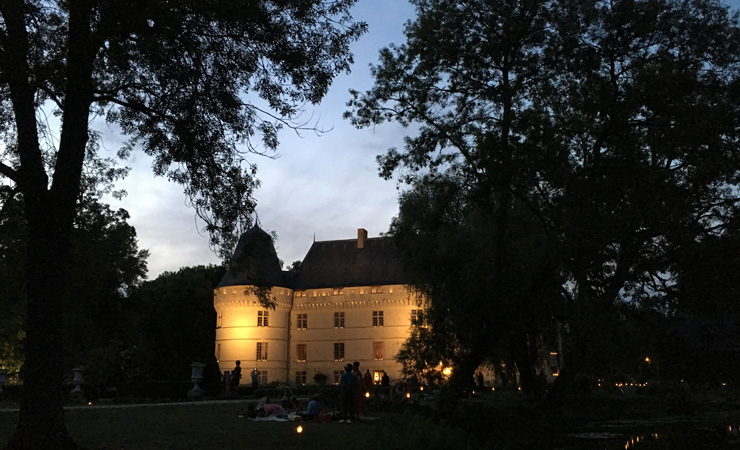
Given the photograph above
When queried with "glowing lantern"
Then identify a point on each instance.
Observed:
(367, 395)
(299, 429)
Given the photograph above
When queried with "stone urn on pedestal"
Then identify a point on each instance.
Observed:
(3, 380)
(78, 380)
(196, 377)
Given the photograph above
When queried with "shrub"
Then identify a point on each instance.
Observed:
(320, 378)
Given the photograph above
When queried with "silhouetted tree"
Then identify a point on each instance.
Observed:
(108, 265)
(588, 137)
(175, 77)
(176, 321)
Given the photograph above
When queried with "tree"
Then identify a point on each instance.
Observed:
(175, 78)
(602, 132)
(468, 77)
(108, 265)
(185, 298)
(648, 113)
(448, 254)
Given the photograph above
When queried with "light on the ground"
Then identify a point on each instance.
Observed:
(367, 395)
(299, 429)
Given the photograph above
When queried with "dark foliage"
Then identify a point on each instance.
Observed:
(563, 154)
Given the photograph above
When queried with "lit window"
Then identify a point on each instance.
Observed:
(300, 377)
(376, 289)
(261, 351)
(302, 321)
(338, 291)
(300, 351)
(262, 317)
(378, 351)
(339, 351)
(338, 320)
(377, 318)
(218, 352)
(378, 376)
(415, 316)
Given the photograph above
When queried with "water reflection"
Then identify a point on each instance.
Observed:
(732, 435)
(638, 440)
(688, 437)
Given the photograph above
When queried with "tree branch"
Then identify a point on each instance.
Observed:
(9, 172)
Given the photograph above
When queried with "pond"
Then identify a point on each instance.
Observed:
(680, 436)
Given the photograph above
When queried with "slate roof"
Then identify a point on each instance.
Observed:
(254, 262)
(342, 264)
(327, 264)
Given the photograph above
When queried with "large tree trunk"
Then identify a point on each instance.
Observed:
(41, 423)
(50, 215)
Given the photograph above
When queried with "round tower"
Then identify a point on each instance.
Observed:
(253, 305)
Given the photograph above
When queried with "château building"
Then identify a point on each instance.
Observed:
(347, 302)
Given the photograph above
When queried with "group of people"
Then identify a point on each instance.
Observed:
(232, 379)
(354, 385)
(287, 408)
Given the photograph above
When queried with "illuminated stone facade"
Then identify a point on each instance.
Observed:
(346, 303)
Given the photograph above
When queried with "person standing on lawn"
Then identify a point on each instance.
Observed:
(348, 382)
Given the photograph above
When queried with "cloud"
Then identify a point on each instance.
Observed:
(325, 186)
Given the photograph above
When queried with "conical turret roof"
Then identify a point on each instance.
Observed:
(254, 262)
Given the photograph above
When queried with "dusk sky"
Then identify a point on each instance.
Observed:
(322, 187)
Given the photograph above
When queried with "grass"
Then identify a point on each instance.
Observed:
(198, 426)
(503, 420)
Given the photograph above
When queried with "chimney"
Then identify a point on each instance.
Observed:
(361, 237)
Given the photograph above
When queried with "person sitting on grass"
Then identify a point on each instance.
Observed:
(313, 409)
(289, 403)
(265, 408)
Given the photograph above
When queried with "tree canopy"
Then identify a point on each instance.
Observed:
(197, 85)
(591, 139)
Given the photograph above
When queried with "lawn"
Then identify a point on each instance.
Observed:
(199, 426)
(495, 421)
